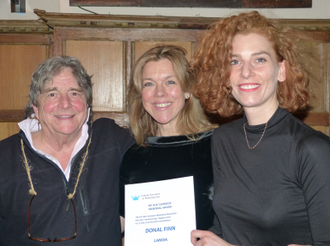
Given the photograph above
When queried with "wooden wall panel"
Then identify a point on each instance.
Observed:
(7, 129)
(198, 3)
(17, 63)
(104, 60)
(109, 45)
(109, 54)
(314, 58)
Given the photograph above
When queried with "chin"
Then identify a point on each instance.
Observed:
(67, 131)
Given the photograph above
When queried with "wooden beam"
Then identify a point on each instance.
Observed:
(12, 115)
(163, 22)
(19, 38)
(24, 26)
(276, 4)
(198, 3)
(105, 2)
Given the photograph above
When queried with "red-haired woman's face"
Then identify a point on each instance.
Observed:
(255, 72)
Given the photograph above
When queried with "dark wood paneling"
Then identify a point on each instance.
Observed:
(193, 3)
(105, 2)
(277, 4)
(198, 3)
(114, 34)
(12, 115)
(26, 39)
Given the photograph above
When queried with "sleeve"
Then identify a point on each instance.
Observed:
(123, 180)
(313, 163)
(216, 228)
(124, 138)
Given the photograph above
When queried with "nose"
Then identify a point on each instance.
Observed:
(160, 91)
(65, 101)
(247, 70)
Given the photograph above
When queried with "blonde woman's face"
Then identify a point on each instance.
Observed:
(162, 96)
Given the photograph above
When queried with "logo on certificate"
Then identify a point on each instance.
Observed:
(135, 198)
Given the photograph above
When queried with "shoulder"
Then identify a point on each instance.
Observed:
(107, 131)
(106, 126)
(10, 157)
(311, 149)
(136, 149)
(9, 142)
(304, 135)
(135, 156)
(104, 123)
(314, 142)
(227, 129)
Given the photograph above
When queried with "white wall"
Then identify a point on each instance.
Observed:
(319, 10)
(48, 5)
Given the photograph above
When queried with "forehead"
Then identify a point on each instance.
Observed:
(65, 78)
(163, 65)
(252, 41)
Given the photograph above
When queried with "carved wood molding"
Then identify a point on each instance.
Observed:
(24, 26)
(198, 3)
(122, 21)
(48, 20)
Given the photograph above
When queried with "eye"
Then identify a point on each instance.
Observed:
(147, 84)
(259, 60)
(234, 62)
(51, 94)
(171, 82)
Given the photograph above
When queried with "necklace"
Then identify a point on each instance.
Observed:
(28, 168)
(247, 140)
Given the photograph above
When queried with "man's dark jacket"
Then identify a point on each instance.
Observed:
(96, 200)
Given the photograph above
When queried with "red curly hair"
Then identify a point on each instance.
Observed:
(214, 53)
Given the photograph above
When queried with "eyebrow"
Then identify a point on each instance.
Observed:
(254, 54)
(56, 89)
(167, 77)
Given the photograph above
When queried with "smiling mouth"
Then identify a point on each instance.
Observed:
(64, 116)
(162, 105)
(247, 87)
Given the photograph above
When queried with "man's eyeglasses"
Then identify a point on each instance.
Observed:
(56, 239)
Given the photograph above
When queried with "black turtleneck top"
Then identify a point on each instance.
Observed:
(277, 193)
(173, 157)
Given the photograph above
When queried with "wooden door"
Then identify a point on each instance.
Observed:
(20, 54)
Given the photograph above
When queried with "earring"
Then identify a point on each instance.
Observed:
(188, 96)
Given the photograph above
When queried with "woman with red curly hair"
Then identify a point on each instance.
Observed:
(271, 171)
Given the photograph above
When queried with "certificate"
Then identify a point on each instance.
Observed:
(160, 212)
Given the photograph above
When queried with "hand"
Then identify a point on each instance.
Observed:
(122, 224)
(206, 238)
